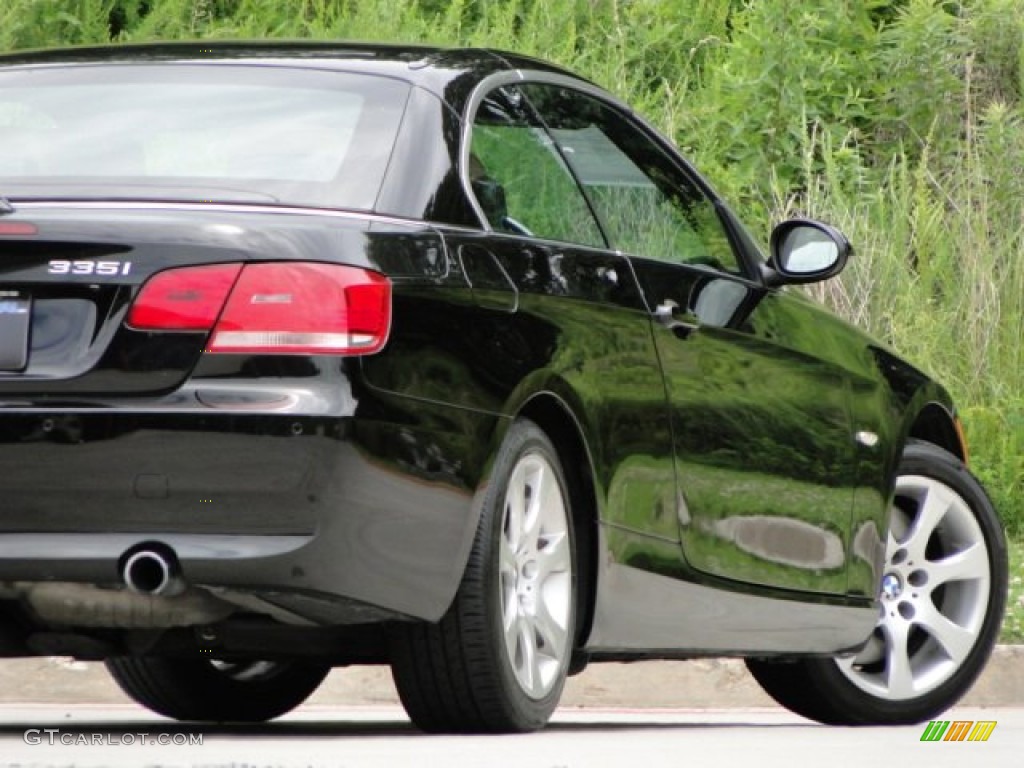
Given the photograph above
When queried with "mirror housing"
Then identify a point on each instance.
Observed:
(806, 251)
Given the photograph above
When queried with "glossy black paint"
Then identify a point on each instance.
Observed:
(718, 439)
(119, 360)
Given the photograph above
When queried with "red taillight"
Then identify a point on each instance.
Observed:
(17, 228)
(281, 308)
(304, 308)
(183, 299)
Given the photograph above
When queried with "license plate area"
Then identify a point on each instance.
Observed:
(15, 321)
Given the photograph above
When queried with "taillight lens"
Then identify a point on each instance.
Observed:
(279, 308)
(183, 299)
(303, 308)
(17, 228)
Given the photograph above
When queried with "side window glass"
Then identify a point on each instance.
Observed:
(647, 206)
(520, 180)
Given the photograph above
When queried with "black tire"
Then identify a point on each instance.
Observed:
(461, 675)
(873, 687)
(206, 690)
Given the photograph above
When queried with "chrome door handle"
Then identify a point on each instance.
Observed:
(682, 324)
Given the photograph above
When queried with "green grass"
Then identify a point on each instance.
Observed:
(1013, 624)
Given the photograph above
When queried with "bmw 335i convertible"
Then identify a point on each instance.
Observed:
(315, 355)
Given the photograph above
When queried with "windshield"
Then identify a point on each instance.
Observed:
(197, 133)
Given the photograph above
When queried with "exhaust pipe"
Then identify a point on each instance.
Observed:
(153, 571)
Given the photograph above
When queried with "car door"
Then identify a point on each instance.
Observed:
(760, 421)
(557, 310)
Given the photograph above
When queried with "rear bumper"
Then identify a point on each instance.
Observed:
(332, 519)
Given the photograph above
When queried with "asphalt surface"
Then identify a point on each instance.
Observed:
(83, 737)
(56, 712)
(706, 683)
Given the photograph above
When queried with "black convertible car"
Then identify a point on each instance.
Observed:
(327, 354)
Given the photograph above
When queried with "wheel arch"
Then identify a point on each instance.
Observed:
(935, 423)
(553, 415)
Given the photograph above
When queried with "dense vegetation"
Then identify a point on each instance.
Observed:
(901, 121)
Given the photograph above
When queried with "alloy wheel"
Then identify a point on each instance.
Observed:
(535, 575)
(934, 594)
(246, 670)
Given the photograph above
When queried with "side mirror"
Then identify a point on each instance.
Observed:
(806, 251)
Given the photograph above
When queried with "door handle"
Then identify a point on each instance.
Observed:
(682, 324)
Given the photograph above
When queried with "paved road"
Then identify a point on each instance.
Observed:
(380, 736)
(700, 684)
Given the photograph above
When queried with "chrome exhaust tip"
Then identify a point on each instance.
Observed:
(150, 571)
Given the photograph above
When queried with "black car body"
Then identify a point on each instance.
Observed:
(201, 456)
